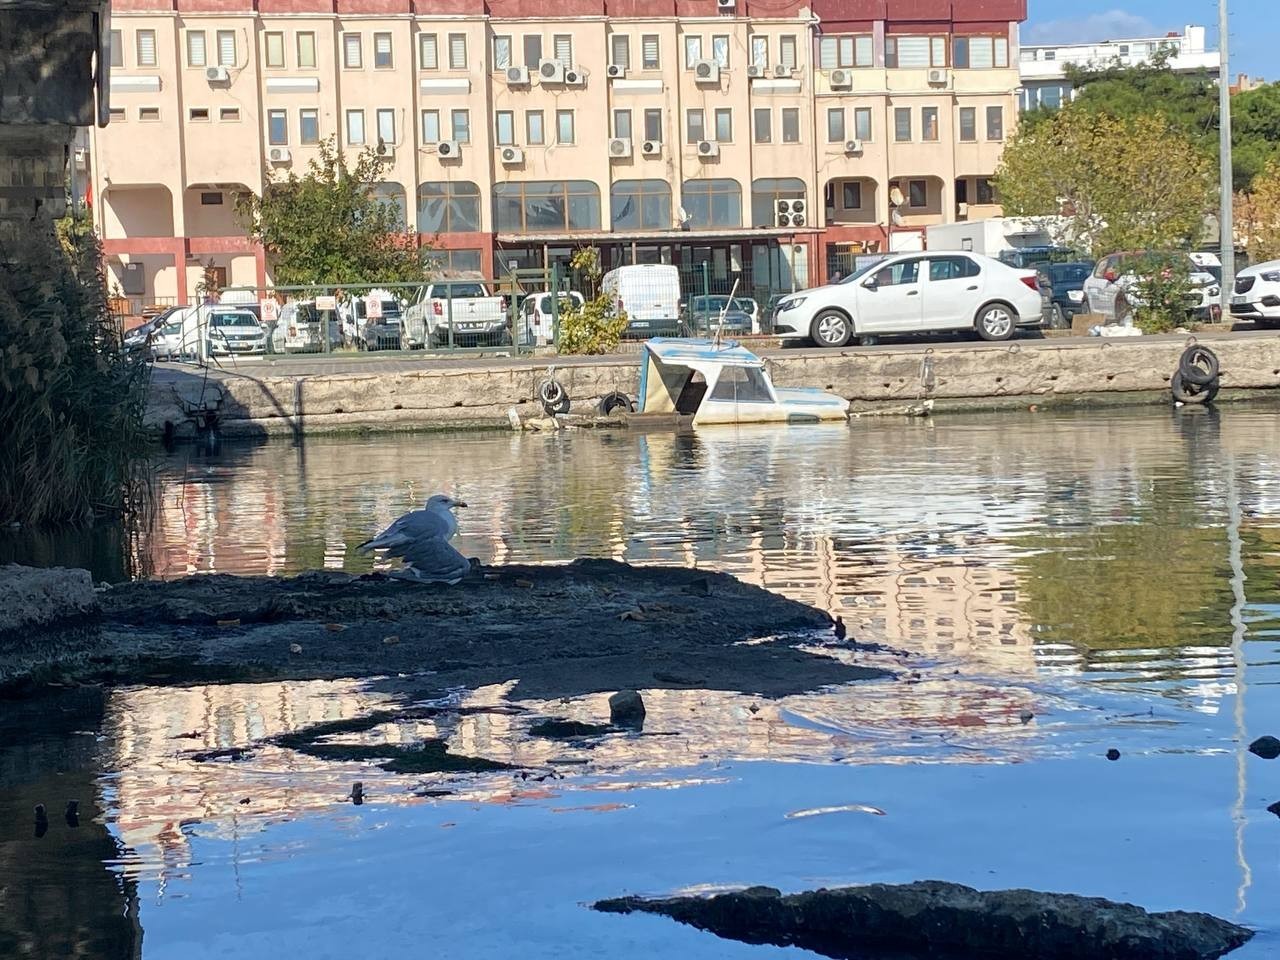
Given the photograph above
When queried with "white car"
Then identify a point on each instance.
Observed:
(1109, 290)
(1256, 295)
(914, 293)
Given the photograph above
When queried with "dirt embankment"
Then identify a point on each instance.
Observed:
(589, 626)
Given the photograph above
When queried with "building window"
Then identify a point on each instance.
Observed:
(790, 124)
(620, 50)
(915, 52)
(622, 124)
(986, 191)
(355, 127)
(448, 207)
(274, 49)
(197, 56)
(787, 51)
(386, 127)
(117, 115)
(902, 124)
(918, 193)
(532, 43)
(862, 123)
(148, 113)
(461, 121)
(352, 51)
(457, 51)
(929, 123)
(227, 54)
(995, 123)
(459, 261)
(146, 48)
(228, 113)
(210, 198)
(765, 194)
(762, 121)
(564, 126)
(712, 203)
(760, 52)
(720, 51)
(692, 50)
(382, 51)
(1124, 49)
(430, 126)
(428, 52)
(968, 124)
(306, 50)
(980, 53)
(562, 43)
(851, 195)
(836, 52)
(198, 114)
(835, 125)
(695, 126)
(309, 126)
(504, 128)
(277, 128)
(117, 49)
(653, 124)
(724, 125)
(649, 52)
(640, 205)
(501, 53)
(534, 128)
(532, 206)
(1051, 54)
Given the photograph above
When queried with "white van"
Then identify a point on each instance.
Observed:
(649, 293)
(537, 322)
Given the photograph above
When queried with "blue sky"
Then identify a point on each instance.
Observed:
(1255, 25)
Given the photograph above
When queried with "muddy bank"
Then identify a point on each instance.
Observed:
(947, 921)
(586, 627)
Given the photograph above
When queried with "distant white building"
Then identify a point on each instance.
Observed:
(1044, 74)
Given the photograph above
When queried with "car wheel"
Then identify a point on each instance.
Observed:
(831, 328)
(995, 322)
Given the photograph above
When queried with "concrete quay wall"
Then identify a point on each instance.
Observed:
(292, 398)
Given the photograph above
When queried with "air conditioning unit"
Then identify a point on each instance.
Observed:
(706, 71)
(619, 148)
(783, 208)
(385, 151)
(962, 209)
(791, 213)
(797, 220)
(853, 146)
(937, 77)
(217, 75)
(517, 76)
(575, 78)
(708, 148)
(756, 71)
(725, 4)
(651, 148)
(841, 79)
(279, 155)
(551, 71)
(448, 149)
(511, 155)
(615, 71)
(783, 72)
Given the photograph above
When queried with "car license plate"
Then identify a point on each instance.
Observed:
(1240, 298)
(641, 323)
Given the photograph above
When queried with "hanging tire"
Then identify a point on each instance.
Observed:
(995, 322)
(554, 397)
(831, 328)
(616, 401)
(1184, 392)
(1198, 366)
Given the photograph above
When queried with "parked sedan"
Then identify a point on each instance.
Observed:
(235, 332)
(1112, 290)
(914, 293)
(1062, 286)
(1256, 295)
(704, 316)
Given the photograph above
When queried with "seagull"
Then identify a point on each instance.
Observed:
(838, 628)
(421, 539)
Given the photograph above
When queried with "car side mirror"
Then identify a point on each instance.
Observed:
(1110, 276)
(871, 283)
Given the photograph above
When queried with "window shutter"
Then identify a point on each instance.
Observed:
(195, 49)
(146, 48)
(651, 49)
(226, 48)
(457, 51)
(564, 50)
(621, 54)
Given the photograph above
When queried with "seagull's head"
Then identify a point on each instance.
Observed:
(443, 501)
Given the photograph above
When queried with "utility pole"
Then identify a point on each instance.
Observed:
(1226, 218)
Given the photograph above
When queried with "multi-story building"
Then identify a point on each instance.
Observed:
(659, 130)
(1044, 68)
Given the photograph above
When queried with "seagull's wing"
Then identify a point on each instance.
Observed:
(417, 525)
(433, 559)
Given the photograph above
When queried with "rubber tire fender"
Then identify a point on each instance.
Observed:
(1198, 366)
(1184, 392)
(612, 401)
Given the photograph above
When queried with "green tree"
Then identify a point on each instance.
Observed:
(595, 327)
(1257, 215)
(1113, 183)
(329, 226)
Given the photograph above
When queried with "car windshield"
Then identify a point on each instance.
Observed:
(862, 271)
(1066, 274)
(234, 320)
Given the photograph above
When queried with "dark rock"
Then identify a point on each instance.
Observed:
(1113, 754)
(568, 729)
(1274, 808)
(1268, 748)
(945, 920)
(626, 709)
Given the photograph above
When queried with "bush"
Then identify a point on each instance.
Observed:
(592, 328)
(1161, 292)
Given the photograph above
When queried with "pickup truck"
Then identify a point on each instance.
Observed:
(477, 317)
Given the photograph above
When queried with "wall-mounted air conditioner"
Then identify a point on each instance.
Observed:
(217, 75)
(708, 149)
(511, 156)
(615, 71)
(517, 76)
(651, 148)
(783, 72)
(448, 149)
(279, 155)
(841, 79)
(619, 148)
(706, 71)
(551, 71)
(853, 146)
(756, 71)
(575, 78)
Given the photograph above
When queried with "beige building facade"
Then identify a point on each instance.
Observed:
(681, 131)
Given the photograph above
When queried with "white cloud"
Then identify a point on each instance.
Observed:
(1110, 25)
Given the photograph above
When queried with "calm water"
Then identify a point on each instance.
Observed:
(1113, 574)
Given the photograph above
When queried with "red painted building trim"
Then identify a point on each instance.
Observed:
(538, 9)
(295, 6)
(143, 6)
(993, 28)
(197, 246)
(385, 7)
(146, 246)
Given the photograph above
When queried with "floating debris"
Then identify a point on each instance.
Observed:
(843, 808)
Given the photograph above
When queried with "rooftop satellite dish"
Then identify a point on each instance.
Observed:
(895, 197)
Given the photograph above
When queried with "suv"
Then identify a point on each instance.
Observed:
(1063, 287)
(704, 317)
(1110, 290)
(1256, 295)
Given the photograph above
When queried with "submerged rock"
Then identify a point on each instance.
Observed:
(934, 919)
(626, 709)
(1268, 748)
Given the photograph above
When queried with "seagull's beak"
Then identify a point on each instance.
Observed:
(459, 503)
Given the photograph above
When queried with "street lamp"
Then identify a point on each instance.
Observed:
(1226, 219)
